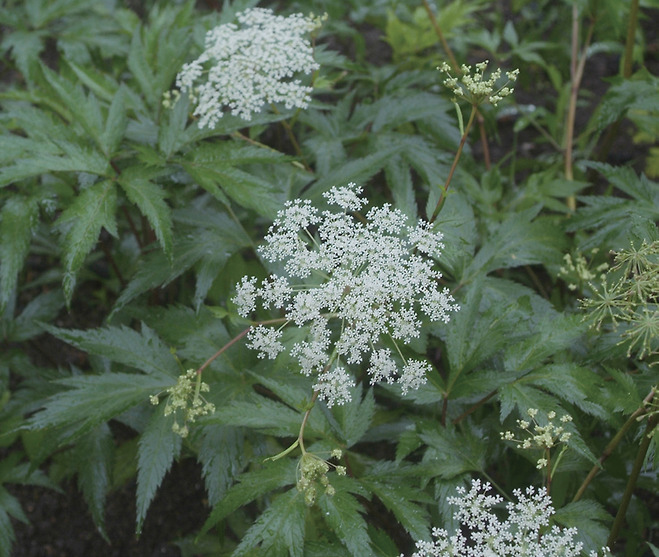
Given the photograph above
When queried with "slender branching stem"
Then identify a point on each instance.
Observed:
(608, 450)
(458, 154)
(300, 437)
(633, 478)
(612, 132)
(474, 407)
(577, 66)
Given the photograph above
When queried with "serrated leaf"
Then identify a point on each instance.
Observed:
(518, 241)
(219, 467)
(82, 221)
(279, 530)
(157, 448)
(253, 484)
(588, 517)
(355, 417)
(397, 497)
(343, 515)
(139, 350)
(94, 456)
(259, 413)
(18, 218)
(475, 334)
(94, 399)
(216, 165)
(150, 199)
(452, 453)
(115, 123)
(215, 243)
(7, 535)
(357, 170)
(554, 334)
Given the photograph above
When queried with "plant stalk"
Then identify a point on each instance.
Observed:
(458, 154)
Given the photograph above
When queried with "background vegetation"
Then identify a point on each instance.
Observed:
(124, 229)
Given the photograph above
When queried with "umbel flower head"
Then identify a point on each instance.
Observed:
(524, 533)
(351, 285)
(244, 67)
(473, 86)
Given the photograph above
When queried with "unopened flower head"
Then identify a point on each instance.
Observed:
(185, 399)
(524, 533)
(243, 67)
(540, 436)
(473, 86)
(351, 285)
(312, 474)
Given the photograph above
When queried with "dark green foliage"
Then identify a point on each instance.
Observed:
(124, 229)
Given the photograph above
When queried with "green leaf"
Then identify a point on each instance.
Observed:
(357, 170)
(556, 333)
(259, 413)
(355, 417)
(150, 199)
(589, 519)
(518, 241)
(82, 222)
(94, 456)
(138, 350)
(451, 454)
(279, 530)
(215, 165)
(253, 484)
(7, 536)
(157, 448)
(219, 467)
(397, 496)
(215, 239)
(94, 399)
(115, 124)
(343, 514)
(18, 218)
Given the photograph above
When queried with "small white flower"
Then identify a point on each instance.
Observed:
(251, 65)
(265, 340)
(352, 285)
(334, 386)
(482, 534)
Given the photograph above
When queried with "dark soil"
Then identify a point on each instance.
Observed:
(61, 525)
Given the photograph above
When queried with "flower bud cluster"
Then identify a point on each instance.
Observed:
(350, 284)
(542, 437)
(481, 533)
(576, 271)
(245, 67)
(185, 399)
(473, 86)
(313, 475)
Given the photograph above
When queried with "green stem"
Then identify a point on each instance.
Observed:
(608, 450)
(300, 437)
(458, 154)
(633, 478)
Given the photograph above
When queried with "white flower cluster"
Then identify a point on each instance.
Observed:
(250, 66)
(474, 87)
(354, 283)
(525, 533)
